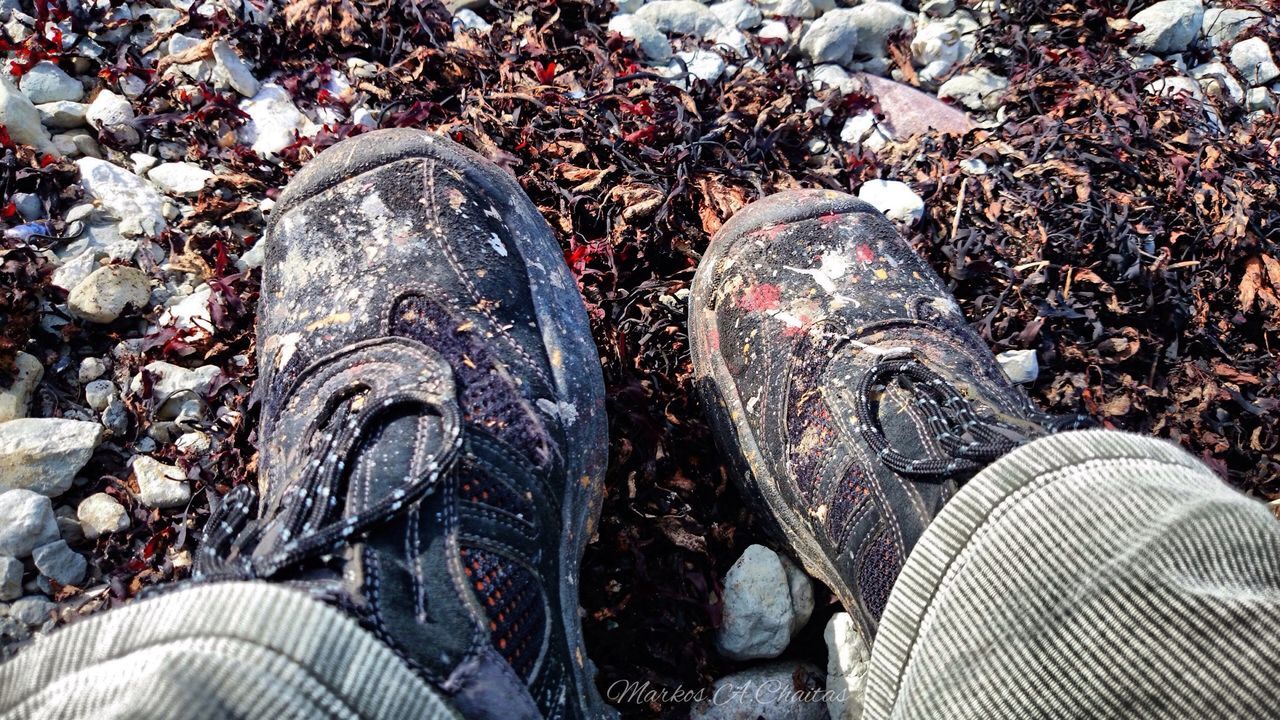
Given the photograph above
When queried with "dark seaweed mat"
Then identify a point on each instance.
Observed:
(1121, 236)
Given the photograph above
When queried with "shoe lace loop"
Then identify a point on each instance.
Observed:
(971, 442)
(309, 520)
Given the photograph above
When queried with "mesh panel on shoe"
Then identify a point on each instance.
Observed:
(513, 601)
(487, 399)
(852, 493)
(879, 569)
(810, 427)
(482, 486)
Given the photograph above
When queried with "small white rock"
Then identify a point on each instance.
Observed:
(684, 17)
(58, 562)
(1224, 25)
(10, 578)
(979, 89)
(801, 589)
(1216, 81)
(108, 292)
(21, 118)
(26, 522)
(44, 454)
(160, 485)
(1168, 26)
(15, 399)
(63, 114)
(1021, 366)
(113, 113)
(876, 21)
(100, 514)
(232, 71)
(1254, 61)
(831, 38)
(788, 8)
(98, 394)
(865, 130)
(180, 178)
(467, 19)
(128, 197)
(758, 611)
(173, 385)
(91, 368)
(739, 14)
(895, 199)
(973, 166)
(45, 82)
(701, 64)
(648, 38)
(273, 121)
(848, 662)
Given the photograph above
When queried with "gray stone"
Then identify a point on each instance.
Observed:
(29, 206)
(648, 38)
(467, 19)
(172, 385)
(108, 292)
(848, 661)
(801, 589)
(15, 399)
(895, 199)
(26, 522)
(788, 8)
(785, 690)
(91, 368)
(1168, 26)
(98, 393)
(180, 178)
(58, 562)
(937, 48)
(100, 514)
(684, 17)
(1175, 86)
(44, 454)
(1021, 366)
(160, 485)
(21, 118)
(273, 121)
(1261, 99)
(1222, 25)
(876, 21)
(831, 38)
(63, 114)
(758, 612)
(45, 82)
(10, 578)
(1254, 61)
(113, 113)
(979, 89)
(701, 64)
(32, 610)
(68, 524)
(1216, 81)
(739, 14)
(232, 71)
(938, 8)
(76, 143)
(138, 206)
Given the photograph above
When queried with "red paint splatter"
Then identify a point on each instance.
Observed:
(830, 217)
(864, 253)
(760, 298)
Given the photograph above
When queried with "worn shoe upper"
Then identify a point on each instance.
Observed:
(842, 380)
(432, 437)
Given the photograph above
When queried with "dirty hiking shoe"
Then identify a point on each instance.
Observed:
(845, 386)
(433, 434)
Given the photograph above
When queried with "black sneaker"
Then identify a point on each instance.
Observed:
(433, 437)
(844, 384)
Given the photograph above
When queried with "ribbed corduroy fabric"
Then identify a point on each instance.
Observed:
(1086, 575)
(242, 650)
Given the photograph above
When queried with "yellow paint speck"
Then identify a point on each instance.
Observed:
(333, 319)
(881, 274)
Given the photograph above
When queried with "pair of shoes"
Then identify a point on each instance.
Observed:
(433, 438)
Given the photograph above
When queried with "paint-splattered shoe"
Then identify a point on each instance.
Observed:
(845, 386)
(433, 432)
